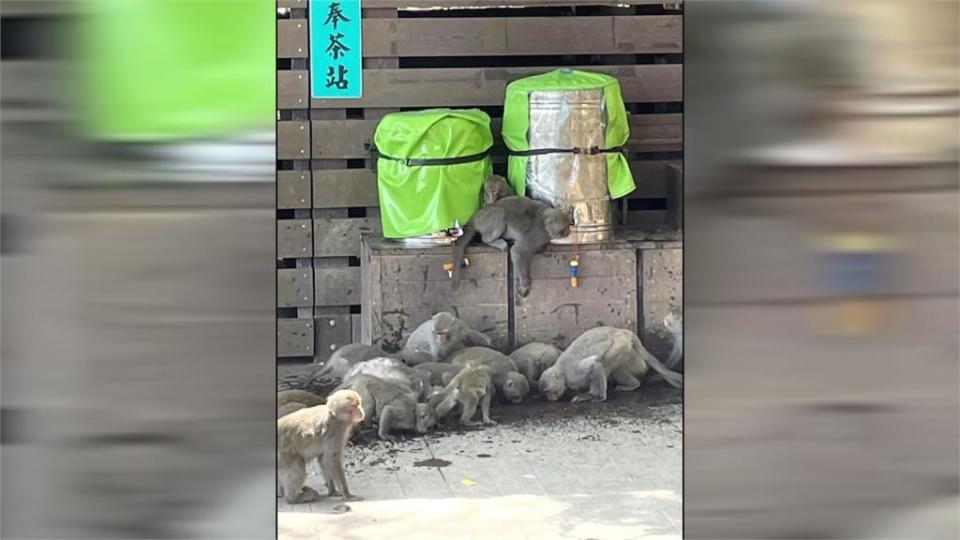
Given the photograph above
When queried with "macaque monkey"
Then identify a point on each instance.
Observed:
(440, 373)
(287, 408)
(506, 379)
(394, 371)
(470, 387)
(496, 187)
(316, 433)
(442, 335)
(674, 324)
(294, 400)
(533, 358)
(597, 354)
(519, 224)
(391, 405)
(345, 358)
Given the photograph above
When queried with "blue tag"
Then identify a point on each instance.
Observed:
(336, 61)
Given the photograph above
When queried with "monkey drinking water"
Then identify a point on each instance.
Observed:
(506, 379)
(597, 354)
(316, 433)
(468, 388)
(516, 223)
(391, 405)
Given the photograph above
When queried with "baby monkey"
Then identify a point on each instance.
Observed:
(519, 224)
(470, 387)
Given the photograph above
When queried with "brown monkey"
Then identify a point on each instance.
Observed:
(516, 223)
(394, 371)
(391, 405)
(442, 335)
(533, 358)
(470, 387)
(496, 187)
(316, 433)
(345, 358)
(597, 354)
(287, 408)
(299, 396)
(674, 324)
(440, 373)
(506, 379)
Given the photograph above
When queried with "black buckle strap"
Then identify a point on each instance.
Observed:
(593, 150)
(425, 162)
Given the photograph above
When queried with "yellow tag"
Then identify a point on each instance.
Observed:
(468, 482)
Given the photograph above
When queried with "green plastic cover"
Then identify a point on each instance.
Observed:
(422, 199)
(161, 70)
(516, 122)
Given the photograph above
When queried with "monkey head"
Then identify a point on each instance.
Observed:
(673, 323)
(426, 417)
(346, 406)
(516, 387)
(557, 222)
(495, 187)
(552, 384)
(442, 324)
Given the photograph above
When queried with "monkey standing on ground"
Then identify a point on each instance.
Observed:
(316, 433)
(597, 354)
(506, 379)
(674, 324)
(496, 187)
(526, 224)
(391, 405)
(442, 335)
(533, 358)
(440, 373)
(470, 387)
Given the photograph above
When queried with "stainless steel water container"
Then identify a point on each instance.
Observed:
(574, 182)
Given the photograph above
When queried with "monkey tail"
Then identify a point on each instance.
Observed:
(673, 378)
(459, 250)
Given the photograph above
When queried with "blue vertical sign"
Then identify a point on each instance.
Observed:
(336, 62)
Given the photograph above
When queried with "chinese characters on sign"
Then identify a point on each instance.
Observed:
(336, 66)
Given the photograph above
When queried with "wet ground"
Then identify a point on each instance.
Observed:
(546, 470)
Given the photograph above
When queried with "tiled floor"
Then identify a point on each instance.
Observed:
(546, 471)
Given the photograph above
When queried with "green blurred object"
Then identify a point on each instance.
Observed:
(417, 198)
(157, 70)
(516, 122)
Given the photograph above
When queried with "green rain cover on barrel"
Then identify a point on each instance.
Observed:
(431, 168)
(516, 123)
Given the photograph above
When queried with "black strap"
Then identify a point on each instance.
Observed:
(593, 150)
(420, 162)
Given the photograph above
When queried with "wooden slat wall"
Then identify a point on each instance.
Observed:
(327, 197)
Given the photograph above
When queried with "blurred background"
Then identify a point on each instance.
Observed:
(137, 276)
(137, 384)
(821, 269)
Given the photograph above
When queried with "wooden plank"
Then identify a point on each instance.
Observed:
(337, 286)
(341, 237)
(554, 312)
(661, 286)
(293, 189)
(486, 86)
(404, 287)
(294, 337)
(650, 178)
(292, 89)
(468, 4)
(293, 238)
(293, 140)
(332, 332)
(345, 139)
(344, 188)
(522, 36)
(292, 38)
(294, 288)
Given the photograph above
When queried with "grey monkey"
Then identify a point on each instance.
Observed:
(597, 354)
(516, 223)
(391, 370)
(506, 379)
(470, 387)
(674, 324)
(320, 433)
(533, 358)
(440, 373)
(299, 396)
(496, 187)
(442, 335)
(287, 408)
(391, 405)
(345, 358)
